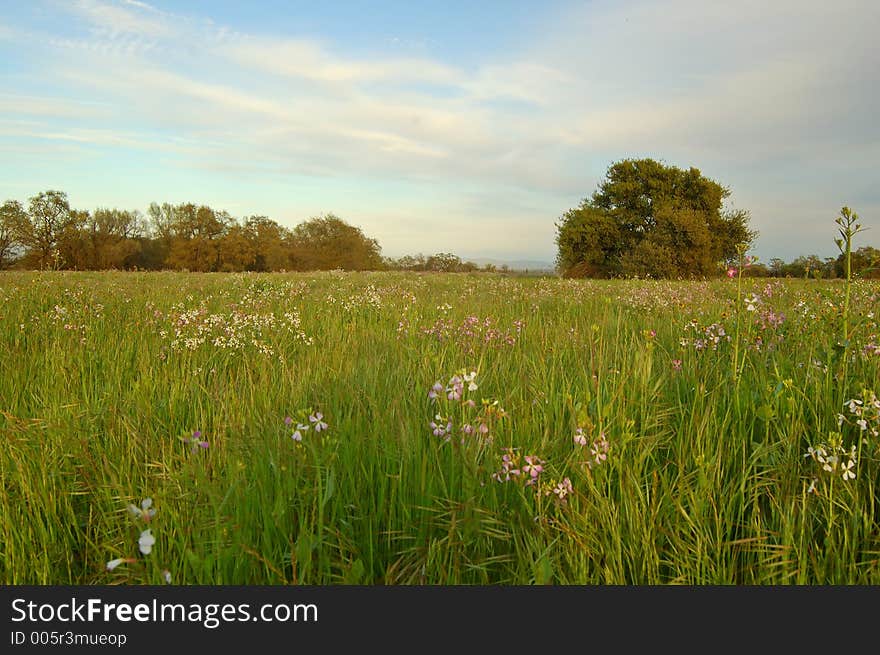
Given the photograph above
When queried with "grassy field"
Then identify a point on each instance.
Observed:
(480, 429)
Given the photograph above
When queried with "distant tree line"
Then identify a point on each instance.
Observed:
(645, 220)
(865, 264)
(442, 262)
(47, 233)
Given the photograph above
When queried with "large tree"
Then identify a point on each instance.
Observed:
(327, 242)
(47, 218)
(647, 218)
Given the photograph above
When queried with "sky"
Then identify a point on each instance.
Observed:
(444, 126)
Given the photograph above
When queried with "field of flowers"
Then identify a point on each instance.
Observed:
(402, 428)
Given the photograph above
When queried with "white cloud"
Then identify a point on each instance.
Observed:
(749, 92)
(140, 5)
(113, 18)
(29, 105)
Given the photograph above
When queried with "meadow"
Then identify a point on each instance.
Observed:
(403, 428)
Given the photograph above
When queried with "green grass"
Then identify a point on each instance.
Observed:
(705, 482)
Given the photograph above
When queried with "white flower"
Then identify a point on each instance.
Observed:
(297, 434)
(848, 473)
(145, 511)
(166, 575)
(113, 563)
(146, 541)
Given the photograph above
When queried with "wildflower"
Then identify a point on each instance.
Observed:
(317, 419)
(562, 489)
(833, 462)
(166, 575)
(113, 563)
(297, 433)
(146, 541)
(599, 449)
(145, 511)
(579, 438)
(288, 421)
(469, 378)
(455, 388)
(197, 441)
(533, 468)
(509, 467)
(435, 391)
(731, 272)
(676, 364)
(439, 429)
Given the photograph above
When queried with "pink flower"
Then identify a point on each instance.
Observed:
(435, 391)
(318, 420)
(731, 272)
(533, 467)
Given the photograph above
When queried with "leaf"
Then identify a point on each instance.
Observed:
(329, 489)
(766, 412)
(355, 574)
(305, 544)
(543, 571)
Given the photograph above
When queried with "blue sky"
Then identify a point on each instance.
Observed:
(454, 126)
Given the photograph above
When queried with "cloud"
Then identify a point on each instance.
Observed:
(771, 99)
(309, 60)
(114, 19)
(48, 106)
(140, 5)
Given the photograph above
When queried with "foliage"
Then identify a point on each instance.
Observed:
(327, 242)
(648, 219)
(48, 217)
(12, 219)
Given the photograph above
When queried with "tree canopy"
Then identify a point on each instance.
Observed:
(48, 234)
(327, 242)
(649, 219)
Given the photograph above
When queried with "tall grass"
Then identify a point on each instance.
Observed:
(708, 477)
